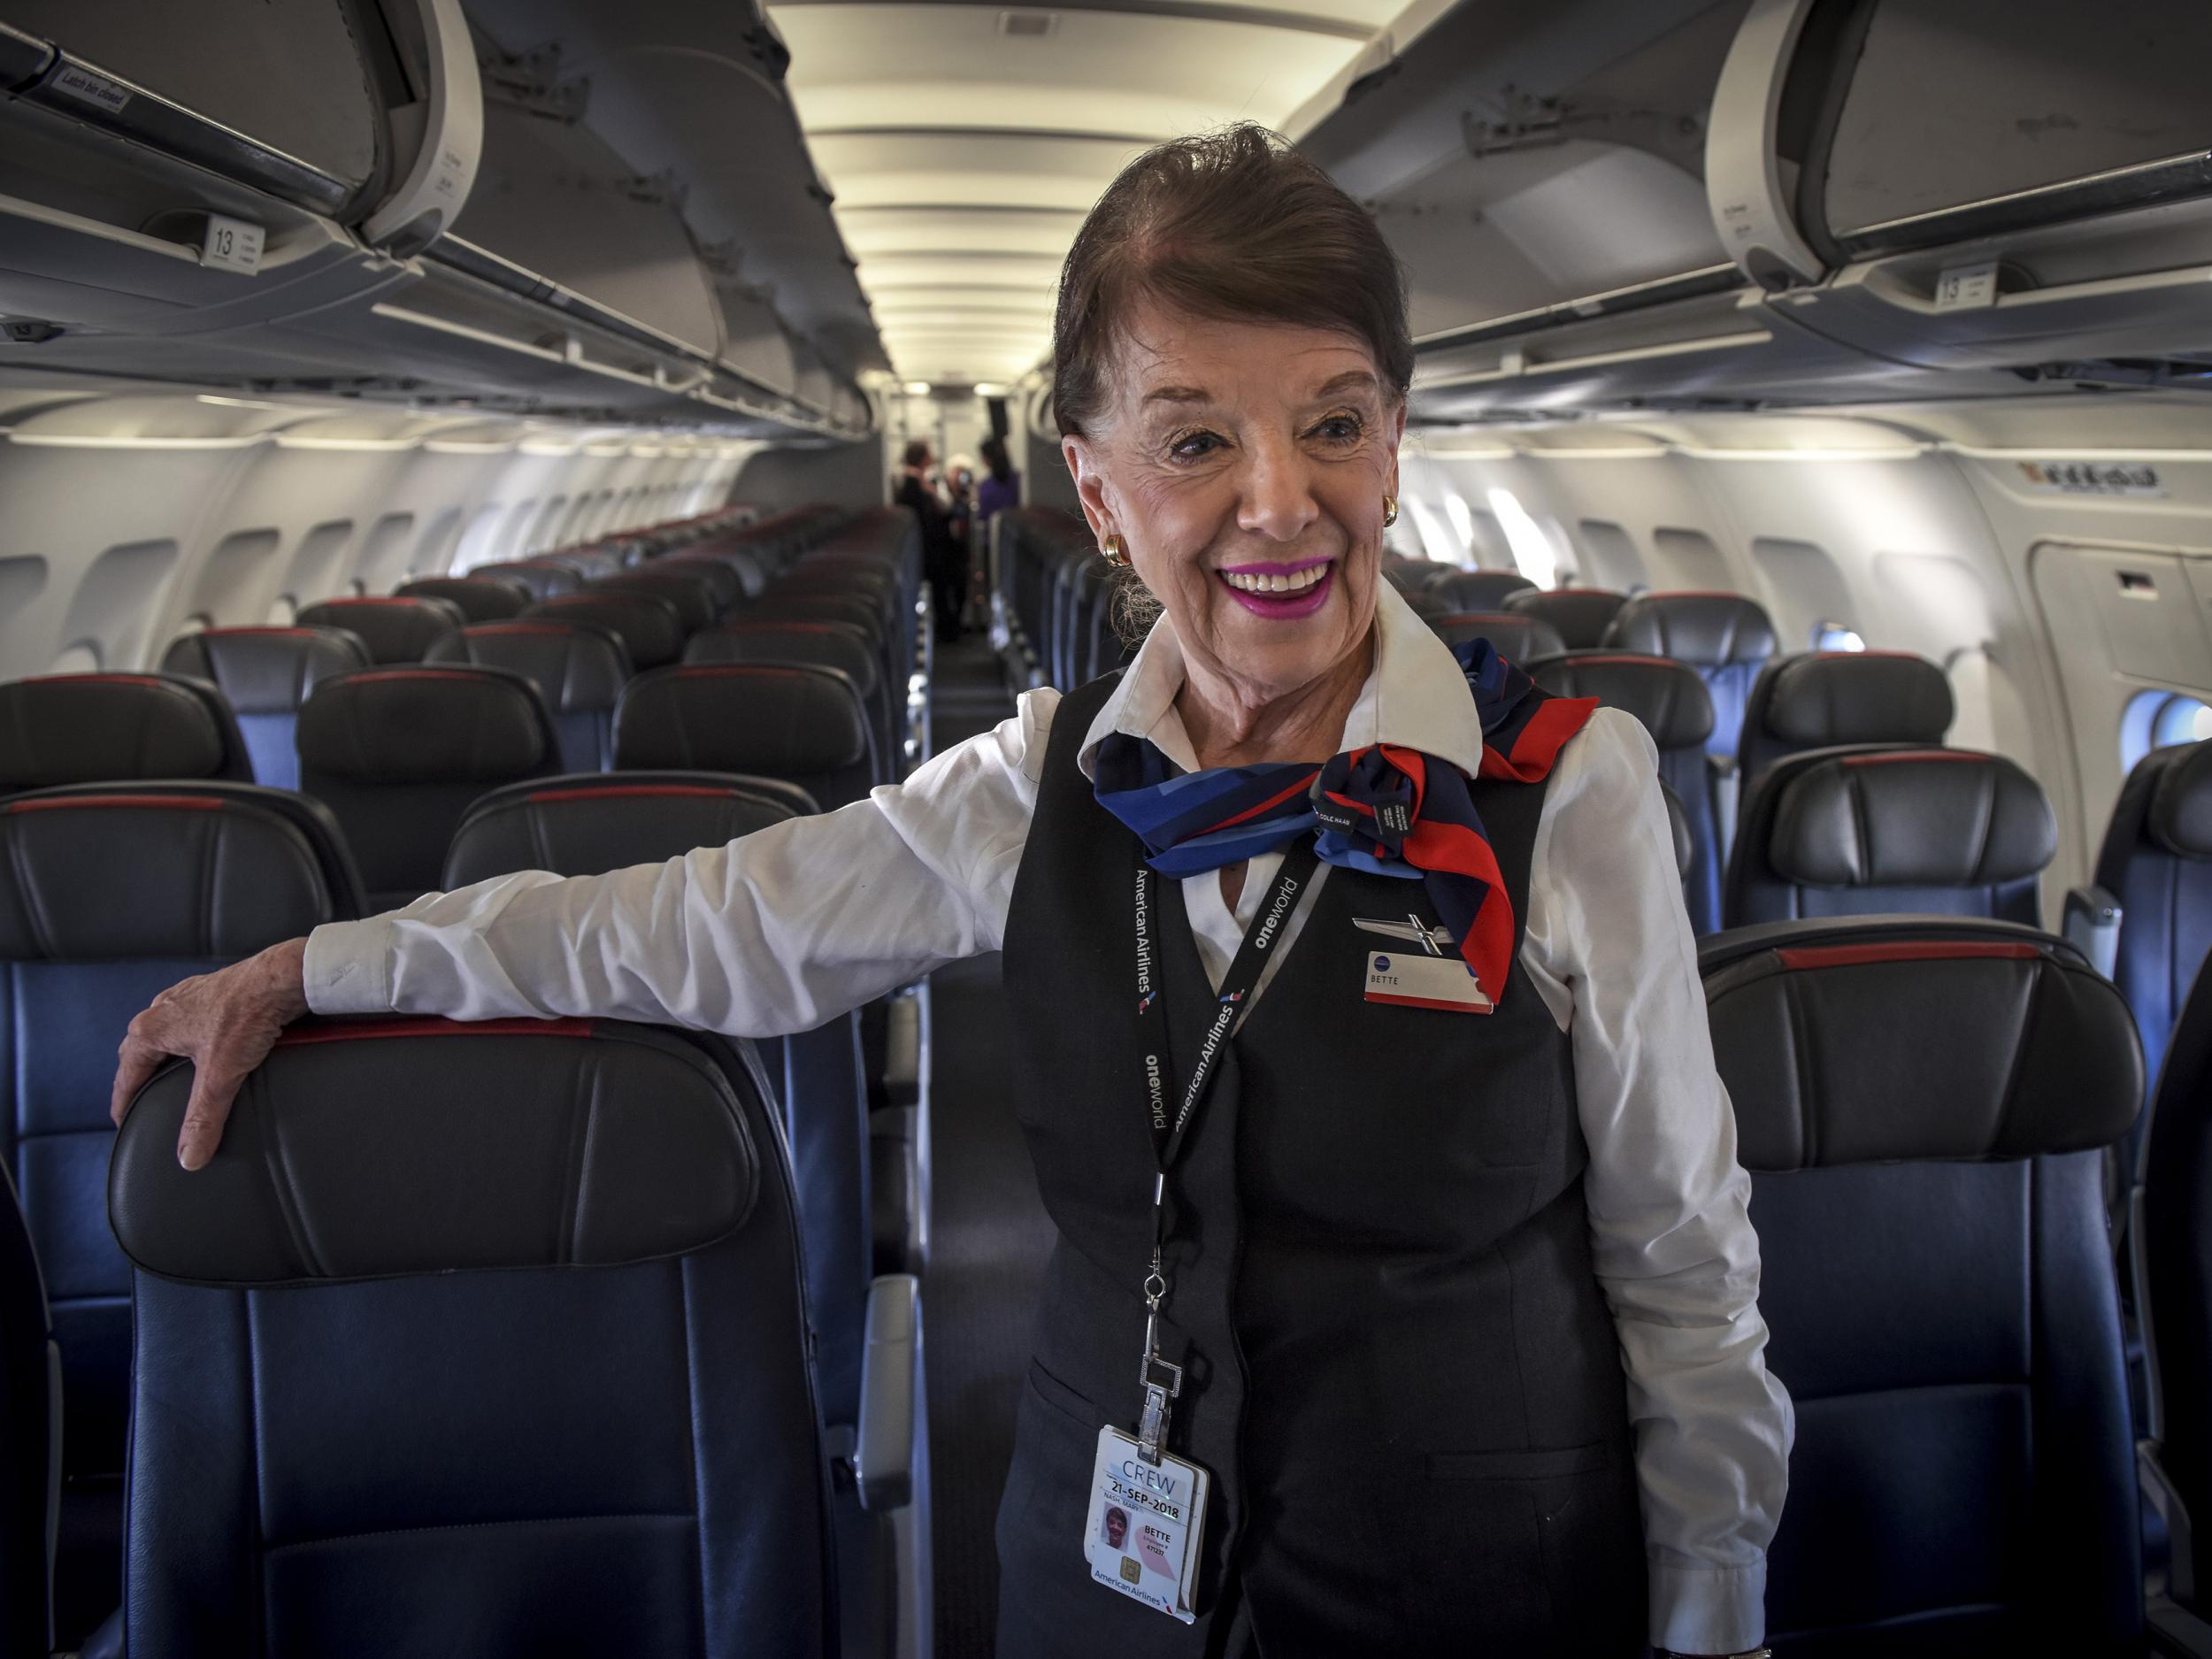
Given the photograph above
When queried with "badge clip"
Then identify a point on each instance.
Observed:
(1163, 1381)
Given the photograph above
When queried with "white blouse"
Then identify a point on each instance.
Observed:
(794, 925)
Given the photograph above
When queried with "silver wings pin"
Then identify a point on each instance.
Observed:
(1413, 930)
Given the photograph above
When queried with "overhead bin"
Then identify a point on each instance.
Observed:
(284, 199)
(1908, 197)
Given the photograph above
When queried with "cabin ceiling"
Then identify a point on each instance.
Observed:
(965, 141)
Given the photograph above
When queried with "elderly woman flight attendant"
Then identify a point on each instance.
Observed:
(1405, 1300)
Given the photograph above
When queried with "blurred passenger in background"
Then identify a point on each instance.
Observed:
(1002, 486)
(944, 555)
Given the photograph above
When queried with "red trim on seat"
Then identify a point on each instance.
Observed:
(561, 630)
(1799, 958)
(359, 1031)
(374, 599)
(1913, 657)
(189, 803)
(224, 633)
(1640, 659)
(104, 680)
(1487, 616)
(1914, 755)
(693, 670)
(1585, 592)
(469, 675)
(1694, 593)
(624, 790)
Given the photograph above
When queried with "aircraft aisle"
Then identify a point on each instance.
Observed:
(990, 1234)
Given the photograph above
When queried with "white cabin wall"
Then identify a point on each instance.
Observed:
(133, 520)
(1915, 527)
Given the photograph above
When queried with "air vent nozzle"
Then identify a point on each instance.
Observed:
(1028, 25)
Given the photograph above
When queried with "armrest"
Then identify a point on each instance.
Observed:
(884, 1454)
(1727, 785)
(2092, 926)
(2177, 1630)
(105, 1642)
(2159, 1492)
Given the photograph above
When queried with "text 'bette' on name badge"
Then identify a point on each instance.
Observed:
(1417, 982)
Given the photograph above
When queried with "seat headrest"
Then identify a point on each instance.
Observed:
(208, 870)
(1667, 696)
(573, 666)
(839, 645)
(586, 824)
(372, 1149)
(650, 626)
(1480, 590)
(394, 629)
(828, 604)
(481, 598)
(1710, 630)
(265, 670)
(781, 720)
(425, 726)
(2181, 806)
(1831, 697)
(1908, 817)
(1910, 1037)
(1517, 638)
(695, 600)
(724, 578)
(537, 577)
(1580, 614)
(95, 729)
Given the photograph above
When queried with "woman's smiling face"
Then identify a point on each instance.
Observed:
(1244, 467)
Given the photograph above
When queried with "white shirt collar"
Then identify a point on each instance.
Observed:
(1416, 696)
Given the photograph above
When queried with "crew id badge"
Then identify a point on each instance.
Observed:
(1417, 982)
(1145, 1524)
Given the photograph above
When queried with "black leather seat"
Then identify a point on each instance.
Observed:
(806, 725)
(1675, 708)
(107, 897)
(1922, 1105)
(588, 823)
(2156, 861)
(1726, 637)
(541, 579)
(1678, 833)
(1870, 830)
(399, 755)
(731, 581)
(1518, 638)
(481, 598)
(30, 1440)
(579, 671)
(2170, 1239)
(107, 728)
(843, 646)
(693, 594)
(394, 629)
(1480, 590)
(1824, 699)
(571, 1411)
(1581, 614)
(648, 625)
(264, 674)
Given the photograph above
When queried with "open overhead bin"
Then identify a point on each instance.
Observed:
(320, 196)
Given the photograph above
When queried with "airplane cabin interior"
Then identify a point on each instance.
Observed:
(446, 439)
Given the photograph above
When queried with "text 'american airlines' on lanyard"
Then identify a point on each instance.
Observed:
(1163, 1380)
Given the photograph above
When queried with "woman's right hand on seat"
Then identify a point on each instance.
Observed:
(225, 1023)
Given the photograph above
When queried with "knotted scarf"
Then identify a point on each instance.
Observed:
(1384, 809)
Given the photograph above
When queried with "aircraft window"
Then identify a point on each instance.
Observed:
(1611, 556)
(1688, 559)
(2160, 719)
(1436, 541)
(1807, 591)
(1534, 555)
(108, 614)
(433, 553)
(1833, 636)
(321, 556)
(383, 563)
(477, 543)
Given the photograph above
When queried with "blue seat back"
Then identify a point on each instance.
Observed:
(2156, 861)
(107, 898)
(1726, 637)
(1922, 1107)
(1670, 700)
(579, 671)
(503, 1353)
(264, 674)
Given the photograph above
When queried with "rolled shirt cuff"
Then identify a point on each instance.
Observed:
(348, 967)
(1709, 1609)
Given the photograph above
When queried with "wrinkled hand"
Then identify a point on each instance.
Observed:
(225, 1023)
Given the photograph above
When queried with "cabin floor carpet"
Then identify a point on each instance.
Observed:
(990, 1234)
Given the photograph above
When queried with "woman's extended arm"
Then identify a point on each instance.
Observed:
(1674, 1248)
(774, 933)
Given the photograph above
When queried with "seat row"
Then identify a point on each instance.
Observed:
(563, 1260)
(111, 892)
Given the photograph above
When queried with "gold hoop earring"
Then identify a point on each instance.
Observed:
(1390, 511)
(1116, 553)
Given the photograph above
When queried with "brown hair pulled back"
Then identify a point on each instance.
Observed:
(1234, 225)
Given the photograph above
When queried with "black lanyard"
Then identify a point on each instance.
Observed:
(1170, 1121)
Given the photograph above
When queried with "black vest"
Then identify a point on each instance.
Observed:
(1400, 1371)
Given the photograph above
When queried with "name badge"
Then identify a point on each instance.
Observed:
(1419, 982)
(1146, 1520)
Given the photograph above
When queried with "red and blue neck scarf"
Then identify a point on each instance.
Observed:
(1384, 810)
